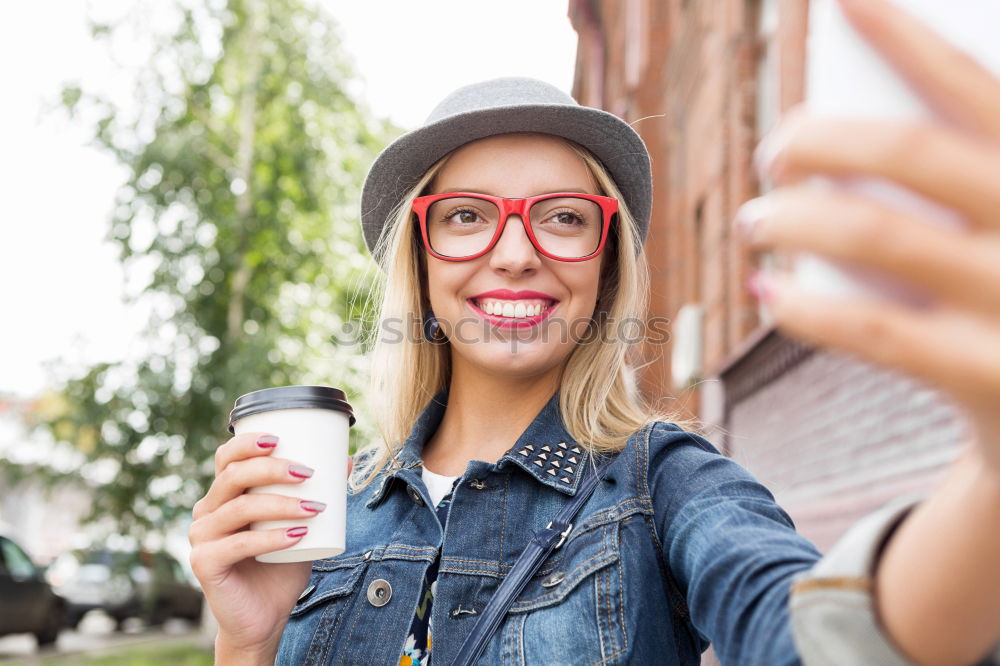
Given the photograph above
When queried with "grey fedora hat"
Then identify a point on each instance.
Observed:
(504, 106)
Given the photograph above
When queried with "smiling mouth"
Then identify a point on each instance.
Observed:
(526, 308)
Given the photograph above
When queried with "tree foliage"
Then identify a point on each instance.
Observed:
(239, 217)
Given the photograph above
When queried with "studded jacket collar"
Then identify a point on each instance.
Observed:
(545, 450)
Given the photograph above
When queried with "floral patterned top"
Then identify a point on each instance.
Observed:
(417, 649)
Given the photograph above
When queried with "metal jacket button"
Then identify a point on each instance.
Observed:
(379, 592)
(414, 495)
(553, 579)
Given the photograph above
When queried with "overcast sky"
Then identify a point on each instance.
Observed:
(60, 284)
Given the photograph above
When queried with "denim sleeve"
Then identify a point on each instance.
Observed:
(756, 589)
(731, 549)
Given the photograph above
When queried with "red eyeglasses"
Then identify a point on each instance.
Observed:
(568, 226)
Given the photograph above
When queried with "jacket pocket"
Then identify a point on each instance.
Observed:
(571, 611)
(311, 632)
(330, 579)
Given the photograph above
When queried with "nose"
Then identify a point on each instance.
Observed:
(513, 252)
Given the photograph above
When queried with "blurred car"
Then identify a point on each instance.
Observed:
(151, 586)
(27, 602)
(102, 579)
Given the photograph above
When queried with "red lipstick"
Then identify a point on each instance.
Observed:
(509, 295)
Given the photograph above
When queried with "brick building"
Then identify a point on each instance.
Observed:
(702, 81)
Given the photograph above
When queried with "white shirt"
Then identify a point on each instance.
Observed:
(437, 485)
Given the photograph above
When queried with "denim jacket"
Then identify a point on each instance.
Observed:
(678, 547)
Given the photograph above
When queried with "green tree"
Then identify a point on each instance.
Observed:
(240, 215)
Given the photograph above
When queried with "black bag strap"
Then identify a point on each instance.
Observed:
(547, 539)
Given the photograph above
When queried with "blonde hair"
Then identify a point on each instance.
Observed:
(598, 397)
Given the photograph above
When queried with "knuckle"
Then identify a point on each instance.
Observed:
(221, 455)
(230, 452)
(254, 472)
(856, 225)
(869, 230)
(804, 134)
(230, 474)
(196, 560)
(879, 333)
(243, 543)
(902, 139)
(242, 504)
(194, 533)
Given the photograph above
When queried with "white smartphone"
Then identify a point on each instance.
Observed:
(846, 77)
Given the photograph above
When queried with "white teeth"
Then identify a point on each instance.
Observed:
(514, 309)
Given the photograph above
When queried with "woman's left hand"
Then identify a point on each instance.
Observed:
(955, 343)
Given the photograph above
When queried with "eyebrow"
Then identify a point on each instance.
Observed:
(472, 190)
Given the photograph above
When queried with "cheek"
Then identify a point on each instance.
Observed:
(586, 285)
(443, 285)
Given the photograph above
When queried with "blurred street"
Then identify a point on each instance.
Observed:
(96, 636)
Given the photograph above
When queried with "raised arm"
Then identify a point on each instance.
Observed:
(937, 586)
(762, 594)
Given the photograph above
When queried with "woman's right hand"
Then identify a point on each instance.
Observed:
(250, 600)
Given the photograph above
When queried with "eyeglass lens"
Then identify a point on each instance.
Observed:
(567, 227)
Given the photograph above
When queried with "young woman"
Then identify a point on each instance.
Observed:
(512, 223)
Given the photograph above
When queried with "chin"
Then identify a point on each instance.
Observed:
(516, 359)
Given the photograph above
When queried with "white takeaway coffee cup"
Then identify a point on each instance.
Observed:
(312, 425)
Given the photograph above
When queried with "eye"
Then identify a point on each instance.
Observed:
(464, 216)
(567, 218)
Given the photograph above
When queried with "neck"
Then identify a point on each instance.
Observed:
(485, 416)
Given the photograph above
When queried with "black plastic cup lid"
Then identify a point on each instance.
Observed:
(290, 397)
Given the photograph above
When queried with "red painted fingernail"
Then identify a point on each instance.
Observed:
(759, 284)
(300, 471)
(296, 532)
(315, 507)
(267, 441)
